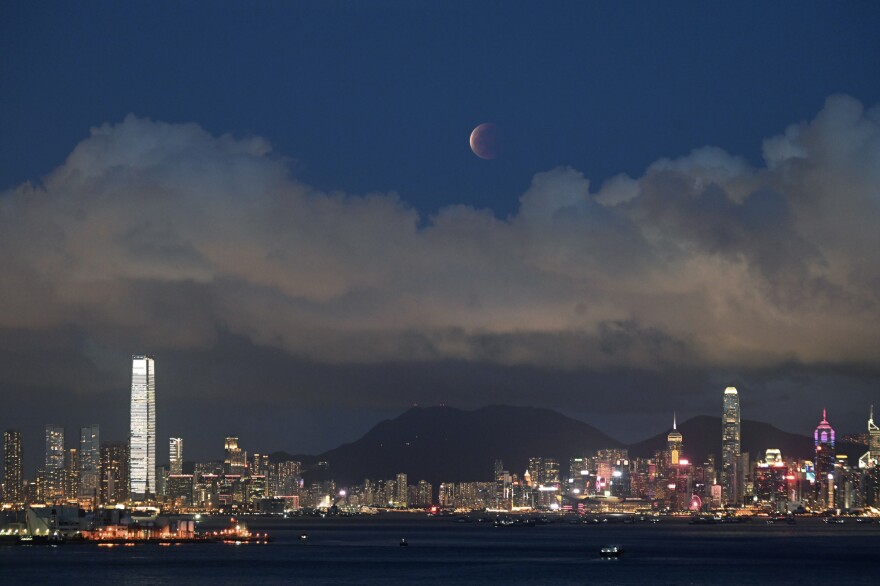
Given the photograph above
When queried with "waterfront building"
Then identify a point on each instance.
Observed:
(89, 461)
(401, 496)
(175, 454)
(13, 475)
(824, 442)
(115, 468)
(871, 458)
(180, 489)
(53, 468)
(142, 446)
(674, 444)
(730, 448)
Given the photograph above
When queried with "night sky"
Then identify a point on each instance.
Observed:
(278, 201)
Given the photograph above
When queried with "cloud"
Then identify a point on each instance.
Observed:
(155, 235)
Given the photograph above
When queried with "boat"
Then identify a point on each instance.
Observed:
(404, 543)
(611, 551)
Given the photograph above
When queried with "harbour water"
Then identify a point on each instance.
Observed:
(366, 551)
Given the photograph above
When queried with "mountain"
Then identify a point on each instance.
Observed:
(702, 436)
(443, 444)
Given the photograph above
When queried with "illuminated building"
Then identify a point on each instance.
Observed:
(871, 458)
(13, 477)
(71, 476)
(824, 464)
(115, 467)
(142, 447)
(53, 469)
(179, 489)
(771, 484)
(175, 454)
(674, 444)
(89, 461)
(401, 496)
(287, 478)
(730, 447)
(235, 461)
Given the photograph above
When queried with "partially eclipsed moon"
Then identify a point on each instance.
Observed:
(486, 141)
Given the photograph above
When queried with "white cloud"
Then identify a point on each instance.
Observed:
(165, 234)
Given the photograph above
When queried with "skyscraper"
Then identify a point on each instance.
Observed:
(674, 444)
(730, 447)
(12, 467)
(114, 472)
(89, 461)
(71, 477)
(54, 462)
(824, 465)
(871, 458)
(175, 451)
(143, 427)
(235, 461)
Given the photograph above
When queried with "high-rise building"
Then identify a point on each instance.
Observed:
(401, 494)
(142, 443)
(823, 438)
(873, 439)
(235, 461)
(674, 444)
(71, 473)
(175, 450)
(54, 463)
(115, 467)
(730, 447)
(13, 477)
(871, 458)
(89, 461)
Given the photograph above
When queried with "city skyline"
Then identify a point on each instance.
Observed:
(235, 459)
(770, 480)
(293, 221)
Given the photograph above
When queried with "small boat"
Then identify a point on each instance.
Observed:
(303, 536)
(611, 551)
(404, 543)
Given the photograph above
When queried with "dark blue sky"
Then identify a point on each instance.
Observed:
(381, 96)
(259, 295)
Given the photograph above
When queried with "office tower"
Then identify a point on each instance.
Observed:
(142, 444)
(871, 458)
(674, 444)
(54, 463)
(235, 461)
(175, 451)
(89, 461)
(730, 447)
(115, 467)
(823, 438)
(71, 473)
(13, 477)
(873, 438)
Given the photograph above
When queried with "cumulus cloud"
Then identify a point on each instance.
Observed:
(162, 235)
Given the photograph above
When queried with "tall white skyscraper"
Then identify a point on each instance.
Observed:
(730, 447)
(175, 451)
(142, 440)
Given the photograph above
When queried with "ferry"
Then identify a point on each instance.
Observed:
(611, 551)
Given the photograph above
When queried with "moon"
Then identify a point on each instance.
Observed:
(486, 141)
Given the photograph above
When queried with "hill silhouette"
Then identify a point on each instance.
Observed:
(444, 444)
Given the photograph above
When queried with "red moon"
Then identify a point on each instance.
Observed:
(486, 141)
